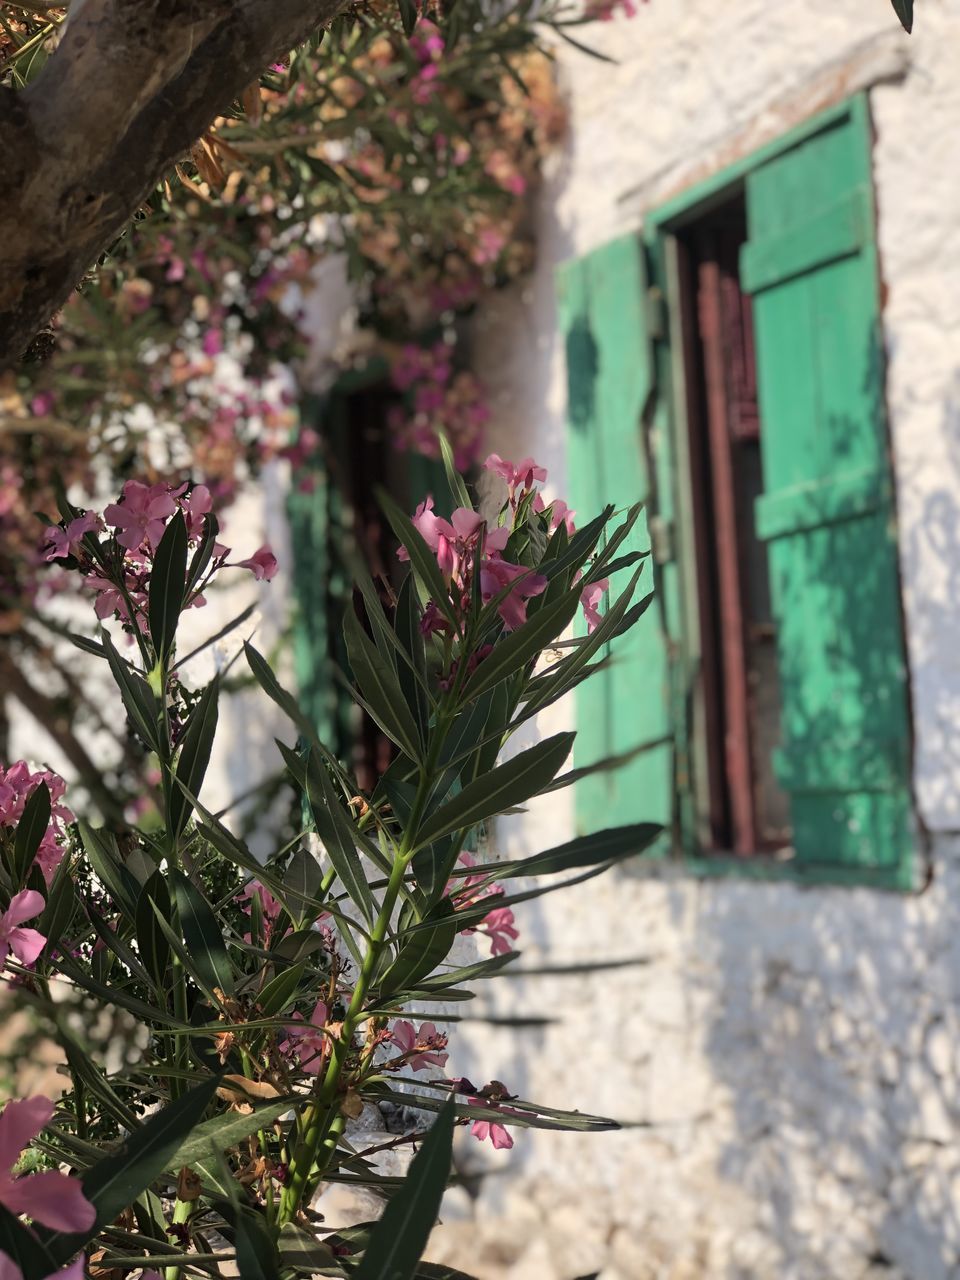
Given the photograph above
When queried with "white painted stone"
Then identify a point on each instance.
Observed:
(792, 1051)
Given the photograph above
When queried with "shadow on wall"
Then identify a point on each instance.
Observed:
(834, 1027)
(833, 1018)
(930, 553)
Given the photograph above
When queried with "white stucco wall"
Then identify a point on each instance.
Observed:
(790, 1056)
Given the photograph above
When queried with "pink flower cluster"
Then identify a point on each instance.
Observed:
(139, 520)
(521, 479)
(307, 1039)
(426, 45)
(499, 925)
(489, 1096)
(420, 1049)
(438, 401)
(455, 542)
(17, 784)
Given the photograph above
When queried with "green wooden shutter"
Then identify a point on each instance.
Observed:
(308, 514)
(603, 302)
(827, 511)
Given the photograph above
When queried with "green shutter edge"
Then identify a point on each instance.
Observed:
(843, 225)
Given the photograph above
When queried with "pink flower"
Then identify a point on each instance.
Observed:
(262, 564)
(590, 598)
(26, 944)
(16, 786)
(499, 924)
(43, 403)
(428, 1040)
(141, 513)
(497, 574)
(500, 927)
(307, 1040)
(62, 542)
(520, 476)
(50, 1198)
(212, 342)
(269, 905)
(195, 507)
(560, 513)
(497, 1134)
(10, 1271)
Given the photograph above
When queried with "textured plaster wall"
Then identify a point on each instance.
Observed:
(790, 1057)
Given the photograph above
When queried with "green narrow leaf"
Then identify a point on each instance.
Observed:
(280, 990)
(100, 846)
(153, 946)
(30, 831)
(113, 942)
(551, 687)
(408, 16)
(412, 675)
(61, 904)
(333, 827)
(401, 1235)
(22, 1247)
(378, 683)
(221, 1132)
(263, 674)
(120, 1179)
(202, 934)
(81, 1066)
(503, 787)
(167, 584)
(607, 846)
(307, 1255)
(257, 1256)
(203, 554)
(904, 11)
(512, 652)
(469, 973)
(454, 478)
(142, 707)
(422, 951)
(422, 559)
(194, 757)
(303, 879)
(580, 546)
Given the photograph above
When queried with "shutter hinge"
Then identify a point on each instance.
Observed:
(656, 313)
(661, 539)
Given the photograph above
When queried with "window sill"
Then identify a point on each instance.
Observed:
(663, 861)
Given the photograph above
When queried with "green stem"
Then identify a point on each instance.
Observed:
(181, 1212)
(322, 1128)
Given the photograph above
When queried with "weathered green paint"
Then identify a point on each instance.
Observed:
(308, 517)
(603, 300)
(827, 510)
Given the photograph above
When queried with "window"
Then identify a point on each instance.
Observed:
(746, 810)
(334, 517)
(728, 369)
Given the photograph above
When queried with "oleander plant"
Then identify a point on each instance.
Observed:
(224, 1020)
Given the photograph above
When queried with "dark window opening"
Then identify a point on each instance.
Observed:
(746, 810)
(361, 458)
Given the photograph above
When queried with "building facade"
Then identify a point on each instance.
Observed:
(745, 314)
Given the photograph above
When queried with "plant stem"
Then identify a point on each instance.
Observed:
(181, 1212)
(321, 1129)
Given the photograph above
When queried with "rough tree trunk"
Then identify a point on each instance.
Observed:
(130, 88)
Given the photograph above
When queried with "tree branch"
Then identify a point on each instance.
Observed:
(130, 88)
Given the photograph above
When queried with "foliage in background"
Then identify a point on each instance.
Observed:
(255, 1010)
(408, 144)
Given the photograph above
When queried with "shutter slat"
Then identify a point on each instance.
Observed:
(824, 237)
(821, 502)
